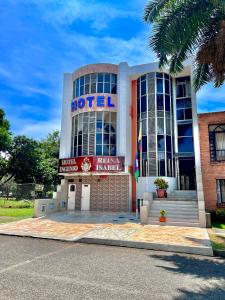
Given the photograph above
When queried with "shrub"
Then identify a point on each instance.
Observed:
(49, 194)
(220, 214)
(162, 212)
(160, 183)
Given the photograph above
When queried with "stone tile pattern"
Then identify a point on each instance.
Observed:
(210, 170)
(57, 227)
(107, 194)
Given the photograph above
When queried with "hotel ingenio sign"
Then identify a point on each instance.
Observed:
(86, 164)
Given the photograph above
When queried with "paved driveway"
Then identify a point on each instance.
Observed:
(113, 229)
(45, 269)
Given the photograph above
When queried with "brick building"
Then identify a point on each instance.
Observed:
(212, 145)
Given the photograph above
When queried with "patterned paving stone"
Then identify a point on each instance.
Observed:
(110, 226)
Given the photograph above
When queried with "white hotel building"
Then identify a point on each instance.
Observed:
(103, 107)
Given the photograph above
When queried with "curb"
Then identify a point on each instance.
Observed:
(206, 251)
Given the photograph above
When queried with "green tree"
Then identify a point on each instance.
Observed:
(49, 157)
(24, 159)
(189, 27)
(5, 143)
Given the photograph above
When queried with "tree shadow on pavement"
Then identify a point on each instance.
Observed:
(200, 267)
(204, 293)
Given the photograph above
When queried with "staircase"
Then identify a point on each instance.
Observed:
(181, 208)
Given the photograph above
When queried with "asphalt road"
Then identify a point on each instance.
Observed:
(44, 269)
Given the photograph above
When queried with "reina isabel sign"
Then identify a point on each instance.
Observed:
(87, 164)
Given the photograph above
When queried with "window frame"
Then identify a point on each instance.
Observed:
(212, 142)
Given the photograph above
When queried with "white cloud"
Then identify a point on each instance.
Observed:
(99, 14)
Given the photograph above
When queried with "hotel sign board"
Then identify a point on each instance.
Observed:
(88, 164)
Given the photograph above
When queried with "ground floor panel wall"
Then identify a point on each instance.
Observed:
(109, 193)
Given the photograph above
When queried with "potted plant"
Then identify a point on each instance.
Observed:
(161, 187)
(162, 217)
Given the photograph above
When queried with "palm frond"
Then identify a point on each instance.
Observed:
(153, 9)
(202, 75)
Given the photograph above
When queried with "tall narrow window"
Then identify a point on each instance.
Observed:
(217, 142)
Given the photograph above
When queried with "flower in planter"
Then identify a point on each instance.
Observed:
(162, 213)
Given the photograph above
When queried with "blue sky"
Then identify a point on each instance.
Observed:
(42, 39)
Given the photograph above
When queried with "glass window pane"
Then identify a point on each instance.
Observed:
(100, 88)
(185, 130)
(82, 80)
(107, 88)
(114, 78)
(143, 104)
(98, 149)
(100, 77)
(160, 122)
(98, 138)
(77, 88)
(168, 144)
(81, 90)
(113, 89)
(106, 150)
(87, 89)
(99, 126)
(180, 114)
(106, 139)
(159, 102)
(188, 114)
(87, 78)
(167, 103)
(113, 117)
(167, 87)
(159, 86)
(159, 75)
(161, 143)
(185, 144)
(143, 88)
(112, 150)
(184, 103)
(107, 77)
(93, 77)
(93, 88)
(113, 139)
(144, 144)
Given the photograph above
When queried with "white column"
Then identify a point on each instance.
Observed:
(198, 170)
(123, 114)
(66, 126)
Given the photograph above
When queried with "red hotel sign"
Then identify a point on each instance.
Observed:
(86, 164)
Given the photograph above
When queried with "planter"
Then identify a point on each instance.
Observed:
(162, 219)
(161, 193)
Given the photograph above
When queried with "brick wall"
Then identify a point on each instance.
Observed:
(109, 194)
(210, 170)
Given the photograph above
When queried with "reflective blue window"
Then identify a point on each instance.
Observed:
(100, 88)
(106, 150)
(167, 86)
(144, 144)
(159, 75)
(185, 144)
(143, 88)
(107, 77)
(184, 103)
(159, 102)
(98, 138)
(107, 88)
(98, 149)
(100, 77)
(161, 143)
(180, 114)
(167, 103)
(106, 139)
(168, 144)
(185, 130)
(143, 104)
(160, 86)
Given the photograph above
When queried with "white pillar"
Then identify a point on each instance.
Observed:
(66, 126)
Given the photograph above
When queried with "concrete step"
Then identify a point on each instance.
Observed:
(174, 223)
(174, 213)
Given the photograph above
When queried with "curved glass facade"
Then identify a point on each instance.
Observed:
(155, 118)
(95, 83)
(94, 133)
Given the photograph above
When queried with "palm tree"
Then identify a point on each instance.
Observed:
(183, 28)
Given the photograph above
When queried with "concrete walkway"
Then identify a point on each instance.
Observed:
(112, 229)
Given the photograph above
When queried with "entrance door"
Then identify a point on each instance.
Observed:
(71, 196)
(187, 174)
(85, 197)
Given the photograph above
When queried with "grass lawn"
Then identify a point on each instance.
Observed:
(13, 210)
(218, 242)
